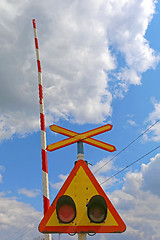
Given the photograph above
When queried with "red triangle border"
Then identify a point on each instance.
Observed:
(81, 229)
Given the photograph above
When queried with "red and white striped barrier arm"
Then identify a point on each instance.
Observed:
(43, 132)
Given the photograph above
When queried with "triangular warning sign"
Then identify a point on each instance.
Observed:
(81, 186)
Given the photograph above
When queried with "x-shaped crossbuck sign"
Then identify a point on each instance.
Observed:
(85, 137)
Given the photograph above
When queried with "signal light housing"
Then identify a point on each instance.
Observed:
(97, 209)
(65, 209)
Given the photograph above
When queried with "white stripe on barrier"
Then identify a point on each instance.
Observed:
(43, 140)
(42, 108)
(45, 184)
(40, 78)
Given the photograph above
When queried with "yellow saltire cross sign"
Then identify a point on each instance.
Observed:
(85, 137)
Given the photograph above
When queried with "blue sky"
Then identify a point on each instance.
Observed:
(100, 64)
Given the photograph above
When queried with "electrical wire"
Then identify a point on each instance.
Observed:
(26, 232)
(22, 230)
(127, 146)
(129, 165)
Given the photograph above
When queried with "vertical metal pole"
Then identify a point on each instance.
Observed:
(80, 151)
(82, 236)
(43, 132)
(80, 155)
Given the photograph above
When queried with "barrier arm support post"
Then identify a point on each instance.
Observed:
(43, 132)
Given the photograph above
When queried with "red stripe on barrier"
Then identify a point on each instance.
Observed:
(44, 161)
(34, 23)
(40, 92)
(36, 43)
(45, 204)
(39, 66)
(43, 139)
(42, 121)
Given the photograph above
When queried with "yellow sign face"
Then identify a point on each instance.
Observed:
(81, 186)
(81, 197)
(84, 137)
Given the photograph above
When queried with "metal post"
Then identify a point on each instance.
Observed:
(80, 155)
(82, 236)
(80, 151)
(43, 132)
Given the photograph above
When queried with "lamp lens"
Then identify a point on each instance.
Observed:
(65, 209)
(97, 209)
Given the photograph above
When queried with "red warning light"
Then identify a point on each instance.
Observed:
(65, 209)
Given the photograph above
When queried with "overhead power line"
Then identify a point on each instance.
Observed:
(129, 165)
(127, 146)
(20, 232)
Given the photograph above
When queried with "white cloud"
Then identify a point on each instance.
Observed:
(138, 202)
(102, 170)
(17, 219)
(58, 185)
(154, 132)
(133, 182)
(103, 166)
(79, 45)
(151, 175)
(140, 212)
(0, 178)
(29, 193)
(2, 168)
(132, 122)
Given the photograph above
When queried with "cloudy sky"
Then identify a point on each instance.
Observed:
(100, 64)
